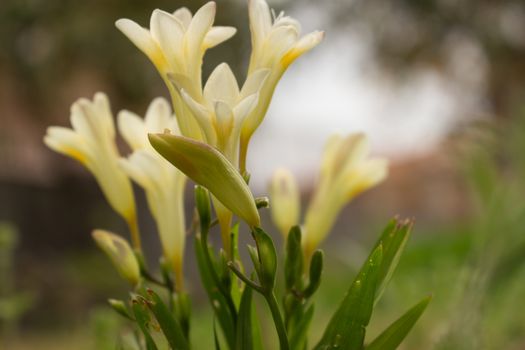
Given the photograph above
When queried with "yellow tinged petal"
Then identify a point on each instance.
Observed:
(168, 32)
(208, 167)
(142, 39)
(67, 142)
(223, 122)
(303, 45)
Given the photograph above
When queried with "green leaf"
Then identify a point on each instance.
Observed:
(169, 325)
(216, 336)
(244, 339)
(267, 258)
(218, 301)
(142, 317)
(293, 263)
(392, 337)
(209, 168)
(346, 329)
(393, 240)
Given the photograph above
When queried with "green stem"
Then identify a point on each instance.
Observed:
(277, 319)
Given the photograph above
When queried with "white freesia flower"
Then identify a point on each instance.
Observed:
(220, 111)
(176, 43)
(161, 181)
(92, 143)
(346, 171)
(222, 107)
(276, 43)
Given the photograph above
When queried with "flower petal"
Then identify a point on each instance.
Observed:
(254, 82)
(217, 35)
(260, 20)
(132, 129)
(244, 108)
(223, 122)
(184, 16)
(199, 26)
(168, 32)
(202, 116)
(67, 142)
(305, 44)
(221, 85)
(142, 39)
(158, 116)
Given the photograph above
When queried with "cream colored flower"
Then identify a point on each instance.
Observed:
(120, 253)
(223, 107)
(220, 111)
(285, 201)
(161, 181)
(346, 171)
(276, 43)
(92, 143)
(176, 43)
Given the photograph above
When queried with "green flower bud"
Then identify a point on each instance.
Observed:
(208, 167)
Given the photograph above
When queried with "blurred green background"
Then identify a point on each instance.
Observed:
(438, 84)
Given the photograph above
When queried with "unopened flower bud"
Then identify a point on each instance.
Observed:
(120, 253)
(285, 200)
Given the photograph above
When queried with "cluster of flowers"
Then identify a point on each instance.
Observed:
(221, 116)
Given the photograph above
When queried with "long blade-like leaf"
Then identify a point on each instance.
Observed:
(392, 337)
(346, 329)
(393, 240)
(169, 325)
(244, 339)
(142, 318)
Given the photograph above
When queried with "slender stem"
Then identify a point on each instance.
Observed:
(277, 319)
(245, 279)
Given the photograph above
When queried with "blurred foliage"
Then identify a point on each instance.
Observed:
(13, 303)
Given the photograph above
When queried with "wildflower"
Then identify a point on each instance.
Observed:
(275, 45)
(220, 114)
(92, 143)
(161, 181)
(120, 253)
(346, 171)
(285, 200)
(176, 43)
